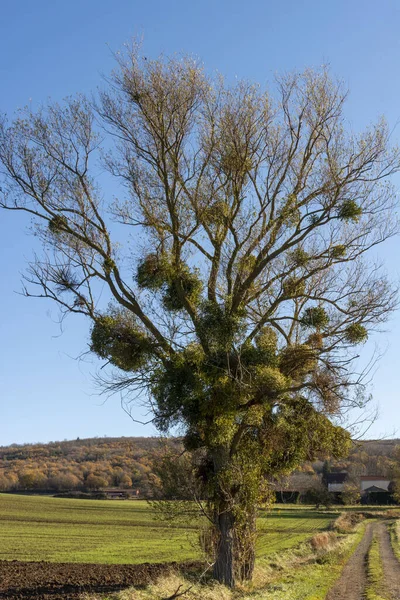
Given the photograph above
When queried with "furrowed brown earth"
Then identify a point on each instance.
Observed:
(45, 581)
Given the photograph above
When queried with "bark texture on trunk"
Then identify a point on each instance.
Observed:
(234, 550)
(224, 566)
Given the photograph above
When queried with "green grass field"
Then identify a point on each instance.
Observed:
(95, 531)
(285, 527)
(395, 537)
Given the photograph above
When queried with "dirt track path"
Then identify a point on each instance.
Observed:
(352, 582)
(391, 566)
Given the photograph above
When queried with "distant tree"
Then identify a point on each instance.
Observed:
(117, 473)
(6, 483)
(64, 481)
(351, 493)
(32, 479)
(125, 481)
(326, 469)
(95, 482)
(394, 490)
(357, 466)
(175, 477)
(317, 494)
(394, 473)
(248, 286)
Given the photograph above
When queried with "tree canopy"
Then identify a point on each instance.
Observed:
(247, 283)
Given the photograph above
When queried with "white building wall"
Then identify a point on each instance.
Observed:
(380, 483)
(335, 487)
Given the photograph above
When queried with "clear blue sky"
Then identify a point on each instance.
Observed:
(54, 49)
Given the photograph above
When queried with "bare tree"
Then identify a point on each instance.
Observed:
(252, 218)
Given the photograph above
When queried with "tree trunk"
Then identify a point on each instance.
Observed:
(224, 566)
(235, 547)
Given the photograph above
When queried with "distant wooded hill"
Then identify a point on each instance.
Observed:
(97, 463)
(369, 457)
(82, 464)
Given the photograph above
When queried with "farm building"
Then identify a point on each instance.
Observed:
(375, 490)
(377, 481)
(292, 487)
(119, 494)
(336, 481)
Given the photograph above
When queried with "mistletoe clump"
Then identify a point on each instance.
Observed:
(356, 334)
(290, 212)
(179, 284)
(221, 430)
(290, 433)
(264, 350)
(117, 338)
(271, 381)
(349, 210)
(338, 251)
(184, 285)
(234, 163)
(327, 388)
(219, 325)
(297, 360)
(65, 280)
(314, 219)
(152, 272)
(267, 340)
(315, 340)
(216, 213)
(194, 354)
(58, 224)
(299, 257)
(293, 287)
(178, 389)
(315, 316)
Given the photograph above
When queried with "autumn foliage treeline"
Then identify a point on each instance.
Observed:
(98, 463)
(369, 457)
(82, 464)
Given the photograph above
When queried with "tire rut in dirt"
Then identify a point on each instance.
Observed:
(68, 581)
(352, 582)
(391, 566)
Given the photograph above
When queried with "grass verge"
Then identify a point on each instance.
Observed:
(375, 575)
(394, 531)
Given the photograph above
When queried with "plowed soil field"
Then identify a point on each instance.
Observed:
(56, 581)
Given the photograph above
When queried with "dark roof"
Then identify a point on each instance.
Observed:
(118, 491)
(373, 478)
(375, 488)
(335, 477)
